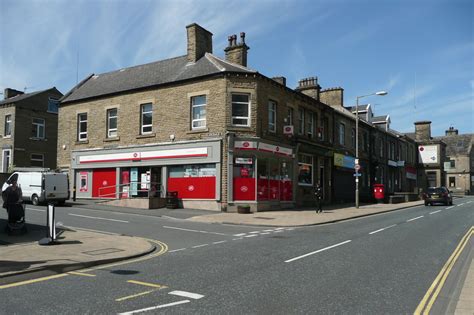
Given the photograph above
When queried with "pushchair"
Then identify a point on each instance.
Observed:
(16, 219)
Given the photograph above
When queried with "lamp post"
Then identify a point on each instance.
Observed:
(380, 93)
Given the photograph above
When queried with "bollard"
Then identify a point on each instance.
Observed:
(50, 238)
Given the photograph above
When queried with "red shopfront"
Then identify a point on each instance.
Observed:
(262, 172)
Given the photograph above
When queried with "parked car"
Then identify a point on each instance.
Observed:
(438, 195)
(39, 187)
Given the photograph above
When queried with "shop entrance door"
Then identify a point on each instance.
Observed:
(104, 183)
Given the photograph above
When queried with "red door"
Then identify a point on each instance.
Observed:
(103, 183)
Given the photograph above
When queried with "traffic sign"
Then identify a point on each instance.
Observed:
(357, 174)
(357, 167)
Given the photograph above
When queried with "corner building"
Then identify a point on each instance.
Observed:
(213, 130)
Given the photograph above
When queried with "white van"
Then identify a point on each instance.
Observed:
(39, 187)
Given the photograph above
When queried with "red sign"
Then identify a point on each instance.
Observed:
(244, 172)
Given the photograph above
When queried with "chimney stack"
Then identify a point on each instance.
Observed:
(452, 132)
(422, 130)
(309, 86)
(237, 53)
(332, 96)
(9, 93)
(199, 42)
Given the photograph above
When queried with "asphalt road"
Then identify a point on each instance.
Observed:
(378, 264)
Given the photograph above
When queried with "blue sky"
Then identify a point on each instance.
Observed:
(420, 51)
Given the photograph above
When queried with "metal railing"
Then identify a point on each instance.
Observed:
(153, 189)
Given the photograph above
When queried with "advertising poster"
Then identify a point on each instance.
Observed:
(134, 181)
(428, 154)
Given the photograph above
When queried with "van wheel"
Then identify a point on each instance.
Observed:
(35, 200)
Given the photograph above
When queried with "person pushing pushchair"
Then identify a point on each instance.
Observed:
(13, 203)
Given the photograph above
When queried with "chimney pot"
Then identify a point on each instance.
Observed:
(242, 37)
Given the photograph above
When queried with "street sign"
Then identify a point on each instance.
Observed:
(357, 174)
(357, 167)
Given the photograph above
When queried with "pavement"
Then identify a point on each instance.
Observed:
(22, 256)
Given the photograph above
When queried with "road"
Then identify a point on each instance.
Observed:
(378, 264)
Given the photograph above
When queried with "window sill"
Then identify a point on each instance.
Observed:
(38, 139)
(112, 139)
(197, 131)
(148, 135)
(238, 128)
(82, 142)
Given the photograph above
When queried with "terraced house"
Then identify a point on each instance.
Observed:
(213, 130)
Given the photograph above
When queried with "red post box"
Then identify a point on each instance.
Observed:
(379, 192)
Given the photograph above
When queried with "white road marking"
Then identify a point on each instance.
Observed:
(318, 251)
(450, 207)
(97, 218)
(421, 216)
(251, 235)
(220, 242)
(469, 201)
(236, 239)
(254, 232)
(241, 234)
(267, 230)
(460, 204)
(155, 307)
(188, 230)
(264, 233)
(202, 245)
(280, 228)
(382, 229)
(435, 212)
(278, 231)
(185, 294)
(176, 250)
(30, 209)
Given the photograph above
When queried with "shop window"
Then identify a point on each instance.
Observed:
(112, 117)
(244, 178)
(8, 126)
(305, 169)
(193, 181)
(286, 182)
(452, 181)
(272, 116)
(146, 120)
(198, 109)
(262, 179)
(240, 110)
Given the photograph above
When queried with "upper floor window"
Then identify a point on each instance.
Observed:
(37, 160)
(310, 130)
(353, 137)
(452, 163)
(301, 121)
(240, 110)
(198, 111)
(271, 116)
(289, 116)
(82, 126)
(325, 131)
(112, 117)
(342, 134)
(8, 126)
(146, 121)
(38, 128)
(53, 105)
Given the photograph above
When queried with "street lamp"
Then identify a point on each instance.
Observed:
(380, 93)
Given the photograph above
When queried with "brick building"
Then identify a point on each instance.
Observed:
(29, 126)
(212, 129)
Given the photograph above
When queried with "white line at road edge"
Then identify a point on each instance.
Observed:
(318, 251)
(450, 207)
(435, 211)
(188, 295)
(155, 307)
(98, 218)
(188, 230)
(382, 229)
(197, 246)
(421, 216)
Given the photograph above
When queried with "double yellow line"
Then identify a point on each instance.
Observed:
(430, 297)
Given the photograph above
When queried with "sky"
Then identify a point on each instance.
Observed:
(420, 51)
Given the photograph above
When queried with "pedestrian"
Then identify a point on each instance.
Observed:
(12, 202)
(318, 192)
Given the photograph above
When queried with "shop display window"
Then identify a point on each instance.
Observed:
(193, 181)
(244, 178)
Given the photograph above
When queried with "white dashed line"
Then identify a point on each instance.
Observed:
(251, 235)
(254, 232)
(461, 204)
(264, 233)
(236, 239)
(202, 245)
(188, 230)
(241, 234)
(97, 218)
(176, 250)
(318, 251)
(421, 216)
(220, 242)
(450, 207)
(267, 230)
(382, 229)
(278, 231)
(188, 295)
(435, 212)
(155, 307)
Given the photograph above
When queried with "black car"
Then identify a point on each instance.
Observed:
(438, 195)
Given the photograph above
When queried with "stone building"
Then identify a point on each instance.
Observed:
(29, 129)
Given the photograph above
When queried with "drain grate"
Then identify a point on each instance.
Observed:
(103, 251)
(264, 218)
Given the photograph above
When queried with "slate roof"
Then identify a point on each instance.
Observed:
(151, 74)
(22, 97)
(361, 108)
(380, 119)
(457, 144)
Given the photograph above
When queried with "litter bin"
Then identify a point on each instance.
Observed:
(379, 192)
(172, 199)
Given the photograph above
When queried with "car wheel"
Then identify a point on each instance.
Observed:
(446, 203)
(35, 200)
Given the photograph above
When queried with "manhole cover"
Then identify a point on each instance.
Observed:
(103, 251)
